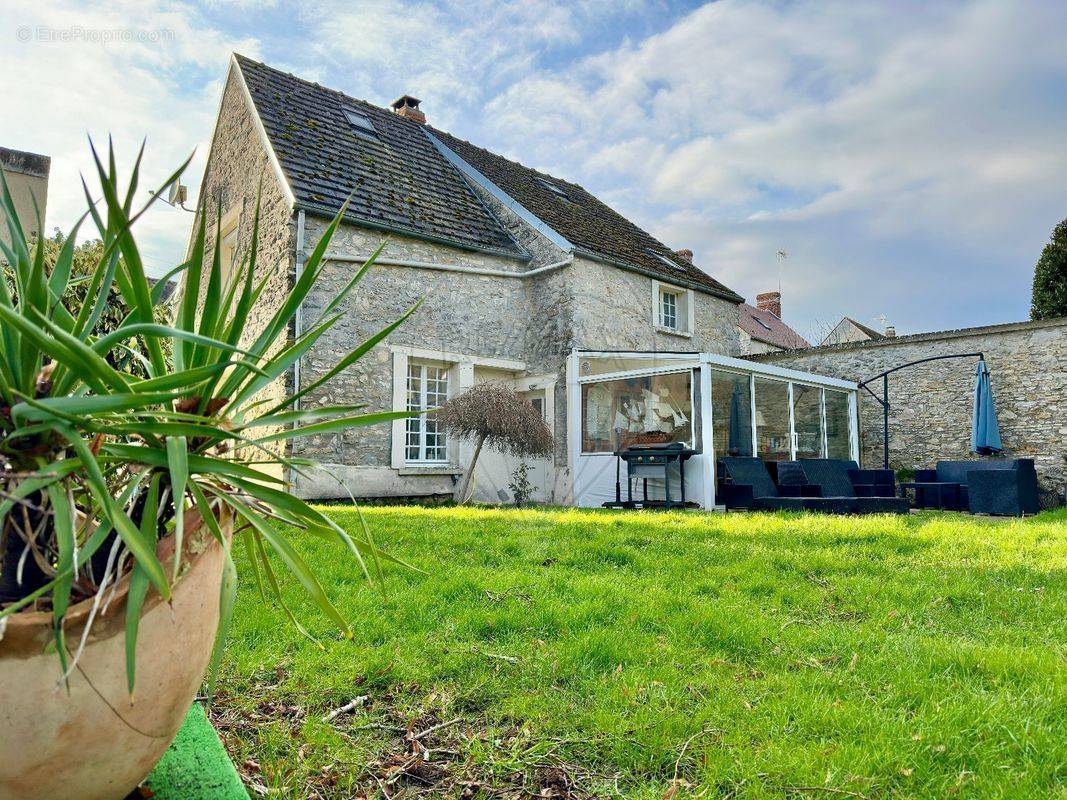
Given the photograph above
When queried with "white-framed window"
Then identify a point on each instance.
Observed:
(424, 437)
(672, 308)
(668, 309)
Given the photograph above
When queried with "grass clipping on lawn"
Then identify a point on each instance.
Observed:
(568, 653)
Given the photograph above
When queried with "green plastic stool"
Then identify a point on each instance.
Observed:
(196, 766)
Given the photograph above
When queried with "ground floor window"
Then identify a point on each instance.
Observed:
(427, 388)
(649, 409)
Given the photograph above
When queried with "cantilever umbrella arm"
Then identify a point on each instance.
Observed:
(883, 401)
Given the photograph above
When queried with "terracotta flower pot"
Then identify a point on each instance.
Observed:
(95, 743)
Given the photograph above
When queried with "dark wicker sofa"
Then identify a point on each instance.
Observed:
(856, 491)
(748, 484)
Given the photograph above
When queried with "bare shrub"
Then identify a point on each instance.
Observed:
(494, 415)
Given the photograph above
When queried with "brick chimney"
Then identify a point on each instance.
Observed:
(770, 301)
(685, 254)
(890, 332)
(408, 106)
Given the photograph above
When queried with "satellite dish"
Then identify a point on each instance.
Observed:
(178, 194)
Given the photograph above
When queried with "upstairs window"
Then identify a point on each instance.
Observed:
(361, 122)
(668, 309)
(672, 308)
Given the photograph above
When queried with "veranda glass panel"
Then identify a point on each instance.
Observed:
(807, 420)
(772, 420)
(652, 409)
(837, 423)
(731, 420)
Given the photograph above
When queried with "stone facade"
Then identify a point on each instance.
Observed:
(931, 404)
(613, 311)
(238, 171)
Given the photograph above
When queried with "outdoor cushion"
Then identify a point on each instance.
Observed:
(956, 471)
(830, 475)
(873, 482)
(750, 472)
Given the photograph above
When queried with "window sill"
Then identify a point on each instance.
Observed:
(674, 332)
(428, 469)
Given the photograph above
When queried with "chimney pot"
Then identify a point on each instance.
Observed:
(408, 106)
(890, 331)
(685, 254)
(770, 301)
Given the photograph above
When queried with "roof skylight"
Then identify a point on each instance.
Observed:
(553, 188)
(361, 122)
(761, 322)
(662, 258)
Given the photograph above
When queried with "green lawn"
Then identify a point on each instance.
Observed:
(652, 655)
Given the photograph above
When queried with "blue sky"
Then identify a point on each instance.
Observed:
(909, 157)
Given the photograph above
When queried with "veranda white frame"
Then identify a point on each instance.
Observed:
(665, 363)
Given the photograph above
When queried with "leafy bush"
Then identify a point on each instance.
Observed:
(520, 485)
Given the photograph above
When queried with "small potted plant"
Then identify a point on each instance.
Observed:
(122, 487)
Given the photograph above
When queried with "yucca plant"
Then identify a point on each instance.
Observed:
(97, 462)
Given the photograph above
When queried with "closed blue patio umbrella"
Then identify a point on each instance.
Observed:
(985, 433)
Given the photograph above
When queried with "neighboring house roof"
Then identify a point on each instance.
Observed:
(402, 182)
(583, 220)
(397, 180)
(869, 331)
(27, 163)
(766, 327)
(834, 336)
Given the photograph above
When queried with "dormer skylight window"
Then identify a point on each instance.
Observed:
(662, 258)
(361, 122)
(553, 188)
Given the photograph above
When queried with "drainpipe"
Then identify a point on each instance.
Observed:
(298, 317)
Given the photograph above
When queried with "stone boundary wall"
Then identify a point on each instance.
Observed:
(930, 416)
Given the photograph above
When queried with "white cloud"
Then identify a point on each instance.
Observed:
(883, 128)
(127, 69)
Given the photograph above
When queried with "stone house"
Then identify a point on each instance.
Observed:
(762, 329)
(518, 271)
